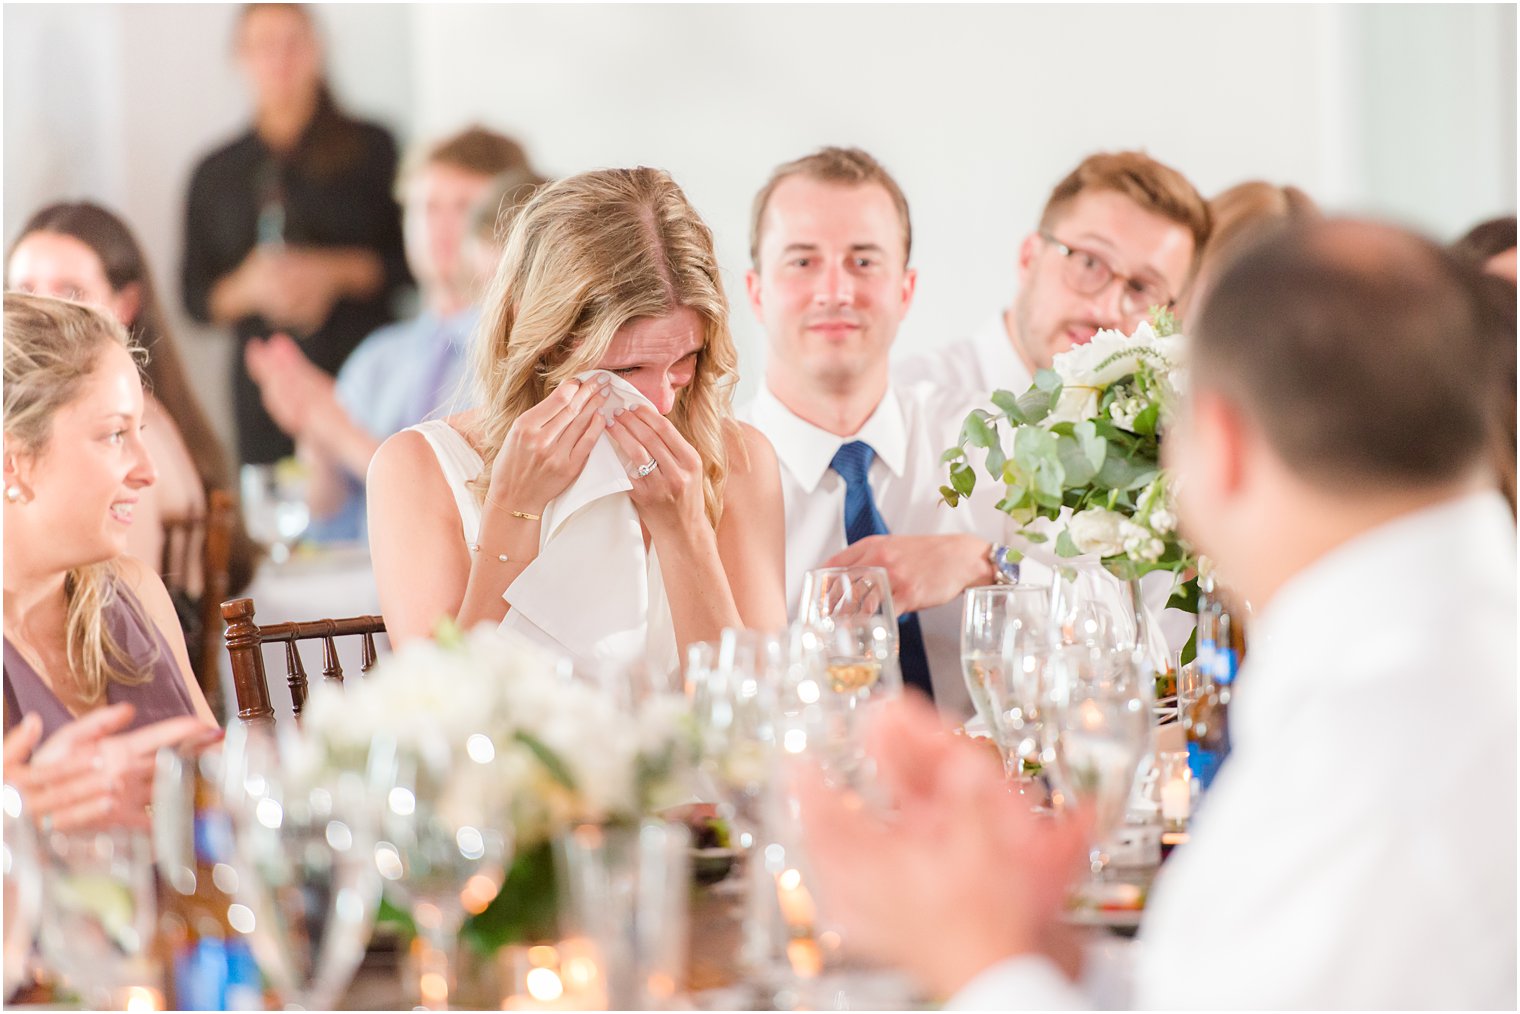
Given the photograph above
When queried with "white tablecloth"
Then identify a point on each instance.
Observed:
(331, 583)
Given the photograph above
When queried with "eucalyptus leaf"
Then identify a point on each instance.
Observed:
(1064, 545)
(1036, 405)
(1145, 422)
(1048, 380)
(962, 478)
(953, 454)
(975, 430)
(1008, 403)
(949, 495)
(1079, 468)
(1038, 538)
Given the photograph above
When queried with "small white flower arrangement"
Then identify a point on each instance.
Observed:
(523, 737)
(1085, 451)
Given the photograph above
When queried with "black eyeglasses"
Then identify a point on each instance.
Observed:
(1088, 273)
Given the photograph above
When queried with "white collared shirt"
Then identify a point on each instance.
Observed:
(974, 366)
(1358, 846)
(911, 427)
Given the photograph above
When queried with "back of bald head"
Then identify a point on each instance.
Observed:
(1358, 350)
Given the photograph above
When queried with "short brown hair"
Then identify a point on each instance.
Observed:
(473, 150)
(1356, 348)
(850, 167)
(1155, 187)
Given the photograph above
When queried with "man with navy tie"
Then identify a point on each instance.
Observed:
(830, 282)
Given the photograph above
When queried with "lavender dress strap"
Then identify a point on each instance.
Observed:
(162, 695)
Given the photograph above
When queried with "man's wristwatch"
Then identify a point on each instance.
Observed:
(1005, 564)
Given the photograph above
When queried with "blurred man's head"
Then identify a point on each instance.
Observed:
(439, 191)
(1491, 246)
(1119, 235)
(830, 282)
(1340, 361)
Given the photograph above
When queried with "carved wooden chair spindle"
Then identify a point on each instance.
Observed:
(208, 540)
(245, 647)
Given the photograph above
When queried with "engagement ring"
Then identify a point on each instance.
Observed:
(644, 469)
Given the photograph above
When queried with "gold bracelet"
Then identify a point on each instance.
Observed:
(526, 516)
(475, 548)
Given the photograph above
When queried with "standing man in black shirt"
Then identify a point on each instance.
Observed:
(292, 227)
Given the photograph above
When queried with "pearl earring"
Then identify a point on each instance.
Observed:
(13, 493)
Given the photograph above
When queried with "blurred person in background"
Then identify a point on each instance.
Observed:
(1490, 247)
(1122, 233)
(405, 372)
(82, 252)
(1330, 457)
(292, 227)
(491, 220)
(94, 656)
(1238, 215)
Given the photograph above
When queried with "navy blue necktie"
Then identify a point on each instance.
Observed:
(861, 518)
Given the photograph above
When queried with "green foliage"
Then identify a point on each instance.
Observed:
(548, 758)
(525, 908)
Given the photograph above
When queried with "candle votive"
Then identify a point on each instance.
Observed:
(558, 976)
(1176, 789)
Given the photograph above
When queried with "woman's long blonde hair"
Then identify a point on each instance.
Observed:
(51, 347)
(585, 256)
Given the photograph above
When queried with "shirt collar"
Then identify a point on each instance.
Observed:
(806, 450)
(999, 363)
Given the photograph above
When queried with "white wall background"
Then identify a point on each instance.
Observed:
(1402, 111)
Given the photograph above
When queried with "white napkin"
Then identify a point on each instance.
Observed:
(594, 592)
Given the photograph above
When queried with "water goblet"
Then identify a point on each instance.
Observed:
(1097, 731)
(99, 913)
(733, 703)
(274, 506)
(1002, 629)
(441, 846)
(305, 865)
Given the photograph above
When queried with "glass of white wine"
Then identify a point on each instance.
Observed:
(1004, 627)
(848, 610)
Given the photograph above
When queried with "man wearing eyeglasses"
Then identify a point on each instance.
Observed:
(1119, 235)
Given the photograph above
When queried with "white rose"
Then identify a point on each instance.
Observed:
(1097, 530)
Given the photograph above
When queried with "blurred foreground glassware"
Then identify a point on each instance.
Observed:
(1097, 731)
(274, 505)
(23, 890)
(98, 915)
(306, 875)
(441, 849)
(625, 889)
(1005, 632)
(734, 704)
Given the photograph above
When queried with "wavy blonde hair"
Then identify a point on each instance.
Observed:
(585, 256)
(51, 348)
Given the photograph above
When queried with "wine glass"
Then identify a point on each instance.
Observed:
(441, 847)
(1086, 608)
(1002, 626)
(306, 870)
(848, 610)
(99, 913)
(1097, 725)
(734, 702)
(23, 897)
(274, 505)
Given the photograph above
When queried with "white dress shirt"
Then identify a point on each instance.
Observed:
(975, 366)
(911, 427)
(1358, 846)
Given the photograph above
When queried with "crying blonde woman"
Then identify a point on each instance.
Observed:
(601, 498)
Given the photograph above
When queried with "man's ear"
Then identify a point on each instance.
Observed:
(1225, 436)
(752, 287)
(1027, 253)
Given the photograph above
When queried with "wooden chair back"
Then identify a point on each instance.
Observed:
(207, 541)
(245, 646)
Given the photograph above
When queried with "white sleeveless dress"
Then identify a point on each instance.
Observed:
(594, 592)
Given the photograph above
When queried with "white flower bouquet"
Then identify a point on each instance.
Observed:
(1085, 451)
(546, 749)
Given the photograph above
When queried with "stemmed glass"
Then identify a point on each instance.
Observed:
(274, 506)
(848, 610)
(1097, 726)
(99, 912)
(306, 870)
(23, 897)
(734, 704)
(1004, 629)
(442, 848)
